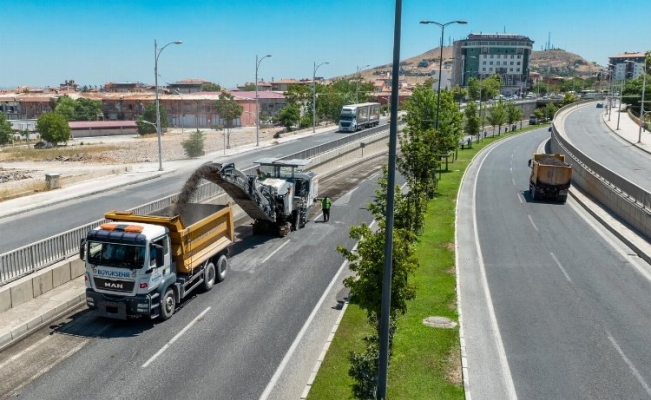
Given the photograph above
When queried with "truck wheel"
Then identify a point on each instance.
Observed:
(209, 277)
(222, 267)
(167, 305)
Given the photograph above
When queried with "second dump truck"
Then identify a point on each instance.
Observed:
(550, 177)
(144, 265)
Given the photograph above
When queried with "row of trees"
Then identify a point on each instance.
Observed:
(422, 146)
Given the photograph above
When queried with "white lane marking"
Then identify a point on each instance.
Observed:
(318, 217)
(561, 267)
(504, 362)
(174, 339)
(637, 374)
(513, 180)
(283, 364)
(275, 251)
(532, 223)
(520, 197)
(25, 351)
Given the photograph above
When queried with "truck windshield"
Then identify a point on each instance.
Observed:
(116, 255)
(345, 117)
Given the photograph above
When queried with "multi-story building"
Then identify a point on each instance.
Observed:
(627, 65)
(483, 55)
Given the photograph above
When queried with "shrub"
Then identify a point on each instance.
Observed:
(193, 145)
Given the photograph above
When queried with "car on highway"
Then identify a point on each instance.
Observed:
(600, 105)
(43, 145)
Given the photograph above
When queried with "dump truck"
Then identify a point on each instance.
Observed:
(354, 117)
(550, 177)
(278, 196)
(145, 265)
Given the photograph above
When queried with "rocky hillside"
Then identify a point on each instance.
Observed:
(558, 62)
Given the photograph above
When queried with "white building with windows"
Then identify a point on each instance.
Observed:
(628, 65)
(482, 55)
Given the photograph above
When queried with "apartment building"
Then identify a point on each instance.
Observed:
(627, 65)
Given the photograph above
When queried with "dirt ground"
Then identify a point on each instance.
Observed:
(90, 158)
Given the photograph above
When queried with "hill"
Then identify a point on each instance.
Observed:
(418, 68)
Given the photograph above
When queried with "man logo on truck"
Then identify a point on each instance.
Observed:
(113, 285)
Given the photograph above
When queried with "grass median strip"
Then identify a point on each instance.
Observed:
(426, 361)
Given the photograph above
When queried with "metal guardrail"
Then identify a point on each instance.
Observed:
(33, 257)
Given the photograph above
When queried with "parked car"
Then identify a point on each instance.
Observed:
(43, 145)
(600, 105)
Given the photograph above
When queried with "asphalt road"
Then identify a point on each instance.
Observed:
(225, 344)
(590, 135)
(59, 218)
(554, 306)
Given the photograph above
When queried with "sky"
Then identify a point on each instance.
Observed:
(44, 42)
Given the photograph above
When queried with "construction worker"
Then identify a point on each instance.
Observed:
(325, 207)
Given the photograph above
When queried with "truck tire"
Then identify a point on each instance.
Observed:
(209, 276)
(222, 268)
(167, 304)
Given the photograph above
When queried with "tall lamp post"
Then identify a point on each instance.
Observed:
(156, 55)
(257, 112)
(357, 81)
(639, 137)
(438, 91)
(314, 94)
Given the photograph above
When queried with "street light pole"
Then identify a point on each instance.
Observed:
(314, 94)
(442, 26)
(156, 55)
(639, 137)
(257, 112)
(357, 82)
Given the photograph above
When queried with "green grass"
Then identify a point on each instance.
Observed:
(426, 362)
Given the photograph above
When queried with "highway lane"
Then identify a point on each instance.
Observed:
(61, 217)
(586, 130)
(239, 332)
(571, 304)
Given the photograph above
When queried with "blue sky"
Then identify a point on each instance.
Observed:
(43, 43)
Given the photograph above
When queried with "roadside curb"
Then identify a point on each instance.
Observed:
(614, 131)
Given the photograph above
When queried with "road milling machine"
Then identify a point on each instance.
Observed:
(278, 196)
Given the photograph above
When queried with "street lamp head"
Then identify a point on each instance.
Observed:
(178, 42)
(461, 22)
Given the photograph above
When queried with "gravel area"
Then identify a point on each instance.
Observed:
(19, 178)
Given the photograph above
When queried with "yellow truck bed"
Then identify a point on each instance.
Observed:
(200, 232)
(551, 169)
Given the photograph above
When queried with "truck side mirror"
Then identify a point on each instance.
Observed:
(82, 249)
(529, 163)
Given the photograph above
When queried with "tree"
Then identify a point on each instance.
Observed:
(473, 124)
(87, 110)
(497, 116)
(289, 116)
(550, 110)
(249, 87)
(228, 110)
(193, 145)
(513, 113)
(490, 87)
(65, 105)
(6, 130)
(53, 127)
(212, 87)
(149, 115)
